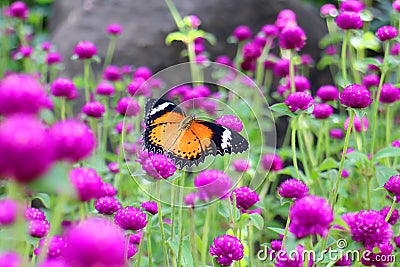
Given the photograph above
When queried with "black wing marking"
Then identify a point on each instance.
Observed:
(156, 107)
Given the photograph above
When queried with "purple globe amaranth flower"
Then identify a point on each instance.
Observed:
(293, 258)
(245, 197)
(212, 183)
(355, 96)
(34, 214)
(299, 101)
(393, 186)
(63, 87)
(248, 65)
(85, 50)
(301, 83)
(113, 167)
(55, 246)
(224, 60)
(107, 205)
(53, 58)
(39, 228)
(281, 67)
(270, 30)
(396, 5)
(365, 225)
(378, 259)
(393, 218)
(135, 238)
(73, 140)
(150, 207)
(10, 259)
(370, 80)
(395, 49)
(242, 33)
(142, 72)
(114, 29)
(271, 162)
(306, 60)
(251, 51)
(385, 33)
(94, 242)
(285, 17)
(389, 94)
(345, 260)
(128, 107)
(231, 122)
(336, 133)
(132, 250)
(396, 241)
(108, 190)
(241, 165)
(310, 215)
(328, 93)
(192, 21)
(94, 109)
(130, 218)
(8, 211)
(322, 111)
(349, 20)
(105, 88)
(227, 249)
(138, 86)
(359, 124)
(27, 149)
(190, 199)
(329, 10)
(352, 6)
(46, 46)
(292, 37)
(120, 126)
(293, 188)
(86, 182)
(112, 73)
(158, 166)
(396, 143)
(330, 50)
(25, 51)
(19, 10)
(21, 93)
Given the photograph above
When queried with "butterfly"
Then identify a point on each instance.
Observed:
(185, 139)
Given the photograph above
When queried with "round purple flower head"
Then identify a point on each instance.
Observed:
(293, 188)
(389, 94)
(292, 37)
(105, 88)
(270, 31)
(107, 205)
(397, 241)
(108, 190)
(281, 67)
(138, 86)
(85, 50)
(285, 18)
(127, 106)
(63, 87)
(328, 93)
(158, 166)
(26, 148)
(393, 218)
(301, 83)
(377, 258)
(366, 224)
(224, 60)
(8, 211)
(352, 6)
(135, 238)
(242, 33)
(241, 165)
(113, 167)
(112, 73)
(393, 186)
(34, 214)
(310, 215)
(336, 133)
(271, 162)
(355, 96)
(94, 242)
(130, 218)
(330, 50)
(93, 109)
(10, 259)
(370, 80)
(114, 29)
(292, 259)
(299, 101)
(25, 51)
(322, 111)
(53, 58)
(385, 33)
(230, 121)
(349, 20)
(19, 10)
(190, 199)
(39, 228)
(142, 72)
(73, 140)
(150, 207)
(359, 124)
(329, 10)
(245, 197)
(227, 249)
(21, 93)
(395, 49)
(212, 183)
(55, 247)
(251, 51)
(86, 183)
(396, 143)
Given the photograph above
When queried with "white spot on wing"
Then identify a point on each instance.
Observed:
(159, 108)
(226, 139)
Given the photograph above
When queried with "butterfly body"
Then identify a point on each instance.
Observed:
(186, 139)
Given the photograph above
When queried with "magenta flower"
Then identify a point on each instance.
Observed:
(138, 86)
(108, 190)
(393, 186)
(86, 182)
(113, 167)
(53, 58)
(292, 37)
(396, 5)
(359, 124)
(190, 199)
(227, 249)
(328, 93)
(272, 162)
(349, 20)
(397, 241)
(55, 247)
(22, 138)
(299, 101)
(39, 228)
(93, 109)
(112, 73)
(293, 188)
(85, 50)
(245, 198)
(34, 214)
(285, 18)
(21, 93)
(270, 31)
(396, 143)
(345, 260)
(158, 166)
(105, 88)
(142, 72)
(8, 211)
(336, 133)
(355, 96)
(127, 106)
(301, 83)
(224, 60)
(212, 183)
(281, 67)
(395, 49)
(130, 218)
(120, 125)
(251, 51)
(322, 111)
(10, 259)
(150, 207)
(389, 94)
(19, 10)
(132, 250)
(379, 257)
(242, 33)
(329, 10)
(370, 80)
(248, 65)
(310, 215)
(385, 33)
(94, 242)
(63, 87)
(107, 205)
(114, 29)
(241, 165)
(192, 21)
(73, 140)
(231, 122)
(46, 46)
(351, 6)
(393, 218)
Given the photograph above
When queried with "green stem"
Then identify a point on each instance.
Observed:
(63, 100)
(304, 158)
(391, 209)
(388, 124)
(193, 238)
(369, 192)
(294, 128)
(286, 229)
(320, 139)
(206, 230)
(86, 72)
(148, 233)
(344, 57)
(160, 221)
(250, 243)
(104, 135)
(291, 71)
(326, 129)
(110, 51)
(180, 218)
(175, 14)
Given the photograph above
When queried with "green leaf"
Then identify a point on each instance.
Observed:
(277, 230)
(340, 222)
(223, 210)
(360, 113)
(327, 60)
(174, 36)
(383, 174)
(328, 164)
(187, 259)
(44, 198)
(386, 153)
(330, 39)
(257, 220)
(283, 109)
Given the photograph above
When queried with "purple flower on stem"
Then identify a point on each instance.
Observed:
(108, 190)
(395, 49)
(355, 96)
(190, 199)
(301, 83)
(245, 197)
(396, 143)
(330, 50)
(285, 259)
(393, 218)
(299, 101)
(86, 183)
(63, 87)
(281, 67)
(19, 10)
(113, 167)
(385, 33)
(227, 249)
(251, 51)
(272, 162)
(150, 207)
(127, 106)
(158, 166)
(130, 218)
(397, 241)
(85, 50)
(349, 20)
(142, 72)
(292, 37)
(310, 215)
(241, 165)
(39, 228)
(336, 133)
(393, 186)
(351, 6)
(34, 214)
(8, 211)
(55, 247)
(328, 93)
(112, 73)
(212, 183)
(242, 33)
(121, 124)
(107, 205)
(358, 124)
(114, 29)
(105, 88)
(293, 188)
(93, 109)
(94, 242)
(270, 31)
(224, 60)
(379, 257)
(370, 80)
(322, 111)
(231, 122)
(285, 18)
(138, 86)
(396, 5)
(53, 58)
(10, 259)
(329, 10)
(389, 94)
